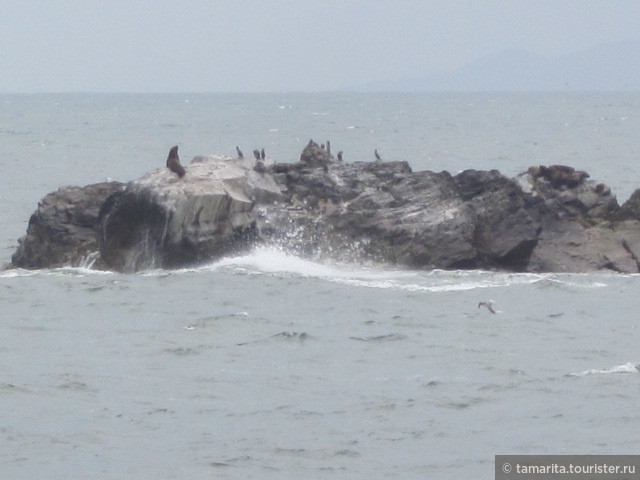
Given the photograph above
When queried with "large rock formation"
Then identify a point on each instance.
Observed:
(548, 219)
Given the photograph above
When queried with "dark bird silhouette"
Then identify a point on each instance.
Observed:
(378, 158)
(328, 147)
(340, 155)
(260, 167)
(256, 153)
(240, 155)
(262, 154)
(173, 162)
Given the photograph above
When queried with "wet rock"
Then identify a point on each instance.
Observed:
(577, 230)
(315, 155)
(506, 221)
(61, 231)
(631, 208)
(418, 219)
(161, 220)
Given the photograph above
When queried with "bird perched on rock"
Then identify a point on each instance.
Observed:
(173, 162)
(340, 155)
(256, 153)
(260, 167)
(240, 155)
(378, 158)
(262, 154)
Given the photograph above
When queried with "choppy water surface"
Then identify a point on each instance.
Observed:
(268, 365)
(240, 369)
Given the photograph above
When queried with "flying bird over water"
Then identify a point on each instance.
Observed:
(488, 305)
(173, 162)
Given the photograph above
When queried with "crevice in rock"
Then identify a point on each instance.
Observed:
(635, 258)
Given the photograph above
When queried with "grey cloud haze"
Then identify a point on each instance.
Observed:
(283, 45)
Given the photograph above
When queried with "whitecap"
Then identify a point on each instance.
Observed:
(573, 281)
(57, 272)
(625, 368)
(274, 261)
(78, 271)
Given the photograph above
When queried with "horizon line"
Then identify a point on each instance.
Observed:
(280, 92)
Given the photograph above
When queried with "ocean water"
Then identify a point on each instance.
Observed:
(268, 365)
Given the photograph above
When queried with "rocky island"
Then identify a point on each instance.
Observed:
(547, 219)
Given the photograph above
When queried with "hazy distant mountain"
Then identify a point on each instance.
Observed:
(604, 67)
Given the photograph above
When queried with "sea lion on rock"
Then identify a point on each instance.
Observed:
(602, 189)
(536, 171)
(576, 178)
(565, 169)
(173, 162)
(558, 175)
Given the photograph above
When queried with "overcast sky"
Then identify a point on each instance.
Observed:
(281, 45)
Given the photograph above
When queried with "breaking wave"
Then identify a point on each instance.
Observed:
(273, 261)
(276, 261)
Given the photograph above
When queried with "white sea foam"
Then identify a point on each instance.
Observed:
(577, 280)
(267, 260)
(626, 368)
(17, 272)
(276, 261)
(63, 271)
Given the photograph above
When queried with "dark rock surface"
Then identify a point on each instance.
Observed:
(61, 231)
(422, 219)
(630, 209)
(548, 219)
